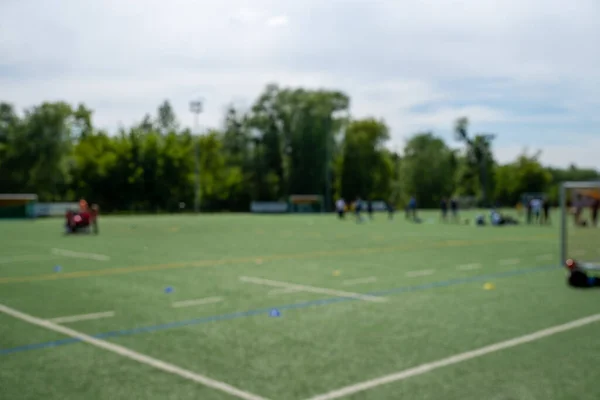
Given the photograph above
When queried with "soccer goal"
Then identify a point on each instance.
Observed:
(17, 205)
(306, 203)
(580, 230)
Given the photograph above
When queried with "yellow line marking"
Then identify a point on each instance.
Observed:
(243, 260)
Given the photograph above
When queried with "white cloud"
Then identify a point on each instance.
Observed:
(479, 58)
(279, 20)
(584, 147)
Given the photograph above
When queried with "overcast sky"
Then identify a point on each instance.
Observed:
(528, 70)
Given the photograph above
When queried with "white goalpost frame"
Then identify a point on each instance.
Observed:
(564, 187)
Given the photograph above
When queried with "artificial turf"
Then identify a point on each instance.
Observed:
(432, 276)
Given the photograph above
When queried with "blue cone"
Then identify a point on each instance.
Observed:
(168, 289)
(274, 313)
(57, 268)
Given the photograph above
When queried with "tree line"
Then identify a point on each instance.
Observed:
(290, 141)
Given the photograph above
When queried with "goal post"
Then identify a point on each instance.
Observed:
(579, 224)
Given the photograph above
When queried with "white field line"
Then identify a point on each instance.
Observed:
(423, 272)
(544, 257)
(458, 358)
(509, 261)
(276, 292)
(359, 281)
(196, 302)
(82, 317)
(132, 355)
(76, 254)
(312, 289)
(25, 258)
(469, 267)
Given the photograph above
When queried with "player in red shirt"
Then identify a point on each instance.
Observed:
(82, 219)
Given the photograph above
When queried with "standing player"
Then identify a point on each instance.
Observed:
(546, 212)
(390, 210)
(529, 212)
(412, 208)
(370, 209)
(536, 209)
(357, 209)
(340, 207)
(595, 207)
(444, 209)
(454, 209)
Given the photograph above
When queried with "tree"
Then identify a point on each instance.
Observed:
(292, 140)
(526, 174)
(479, 158)
(366, 167)
(427, 169)
(166, 119)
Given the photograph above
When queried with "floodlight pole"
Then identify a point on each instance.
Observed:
(196, 109)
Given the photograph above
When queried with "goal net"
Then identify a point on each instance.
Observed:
(306, 203)
(580, 225)
(17, 205)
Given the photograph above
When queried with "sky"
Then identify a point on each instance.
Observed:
(526, 70)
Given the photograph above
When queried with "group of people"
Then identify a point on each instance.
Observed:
(451, 204)
(358, 206)
(538, 211)
(594, 205)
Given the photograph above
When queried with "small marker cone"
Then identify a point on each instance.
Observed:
(274, 313)
(336, 273)
(489, 286)
(57, 268)
(168, 289)
(259, 261)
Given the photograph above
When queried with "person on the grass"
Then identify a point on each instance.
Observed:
(412, 208)
(81, 220)
(340, 206)
(444, 209)
(454, 209)
(536, 209)
(370, 208)
(578, 210)
(529, 212)
(546, 212)
(390, 209)
(357, 209)
(595, 207)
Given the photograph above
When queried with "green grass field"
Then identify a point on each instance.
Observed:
(356, 303)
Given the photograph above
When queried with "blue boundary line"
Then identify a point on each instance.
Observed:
(255, 312)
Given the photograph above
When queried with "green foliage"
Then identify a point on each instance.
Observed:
(291, 141)
(427, 170)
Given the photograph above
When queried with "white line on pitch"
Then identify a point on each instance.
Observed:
(276, 292)
(25, 258)
(469, 267)
(509, 261)
(76, 254)
(458, 358)
(423, 272)
(359, 281)
(132, 355)
(196, 302)
(312, 289)
(82, 317)
(544, 257)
